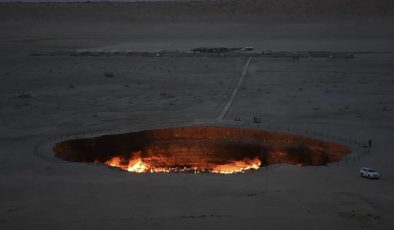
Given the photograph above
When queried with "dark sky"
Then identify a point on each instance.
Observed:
(96, 0)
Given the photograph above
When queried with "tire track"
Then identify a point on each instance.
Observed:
(229, 103)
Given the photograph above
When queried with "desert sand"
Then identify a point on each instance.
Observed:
(56, 96)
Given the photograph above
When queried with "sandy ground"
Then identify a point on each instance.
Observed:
(48, 98)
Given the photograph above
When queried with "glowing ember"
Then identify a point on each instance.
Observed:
(138, 165)
(237, 166)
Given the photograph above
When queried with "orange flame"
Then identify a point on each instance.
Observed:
(237, 166)
(138, 165)
(135, 165)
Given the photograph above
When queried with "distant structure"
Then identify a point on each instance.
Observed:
(220, 49)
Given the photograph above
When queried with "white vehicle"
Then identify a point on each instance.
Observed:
(369, 173)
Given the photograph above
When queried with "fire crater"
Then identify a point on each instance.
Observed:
(199, 149)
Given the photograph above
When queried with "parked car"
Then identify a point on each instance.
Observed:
(369, 173)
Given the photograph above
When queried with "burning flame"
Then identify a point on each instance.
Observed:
(138, 165)
(135, 165)
(237, 166)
